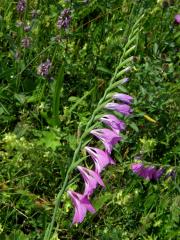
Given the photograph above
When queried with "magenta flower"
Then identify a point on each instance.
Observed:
(113, 122)
(177, 19)
(150, 173)
(100, 158)
(82, 205)
(123, 97)
(108, 138)
(121, 108)
(136, 167)
(91, 179)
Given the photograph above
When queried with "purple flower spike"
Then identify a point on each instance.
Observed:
(123, 97)
(64, 19)
(26, 42)
(91, 178)
(82, 205)
(43, 68)
(21, 6)
(150, 173)
(121, 108)
(100, 158)
(113, 122)
(108, 137)
(177, 19)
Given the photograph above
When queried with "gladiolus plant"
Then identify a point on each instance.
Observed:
(111, 103)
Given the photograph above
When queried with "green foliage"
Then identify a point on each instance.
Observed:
(42, 118)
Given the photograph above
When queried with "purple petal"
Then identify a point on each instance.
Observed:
(158, 173)
(141, 171)
(88, 205)
(150, 173)
(91, 179)
(136, 167)
(100, 158)
(177, 19)
(123, 97)
(121, 108)
(79, 214)
(81, 205)
(108, 137)
(113, 122)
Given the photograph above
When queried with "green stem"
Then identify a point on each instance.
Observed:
(71, 167)
(58, 200)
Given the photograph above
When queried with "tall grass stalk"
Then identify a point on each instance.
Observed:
(56, 96)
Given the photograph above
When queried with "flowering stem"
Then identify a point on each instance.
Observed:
(58, 198)
(72, 165)
(123, 62)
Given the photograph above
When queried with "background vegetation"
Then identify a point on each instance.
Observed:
(42, 117)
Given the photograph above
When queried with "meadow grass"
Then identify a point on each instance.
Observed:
(60, 63)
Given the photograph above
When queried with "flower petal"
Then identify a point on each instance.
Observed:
(123, 97)
(125, 109)
(91, 178)
(81, 205)
(108, 137)
(101, 158)
(88, 205)
(150, 172)
(113, 122)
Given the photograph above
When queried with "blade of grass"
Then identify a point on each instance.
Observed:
(56, 96)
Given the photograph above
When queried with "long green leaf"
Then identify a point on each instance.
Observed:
(56, 96)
